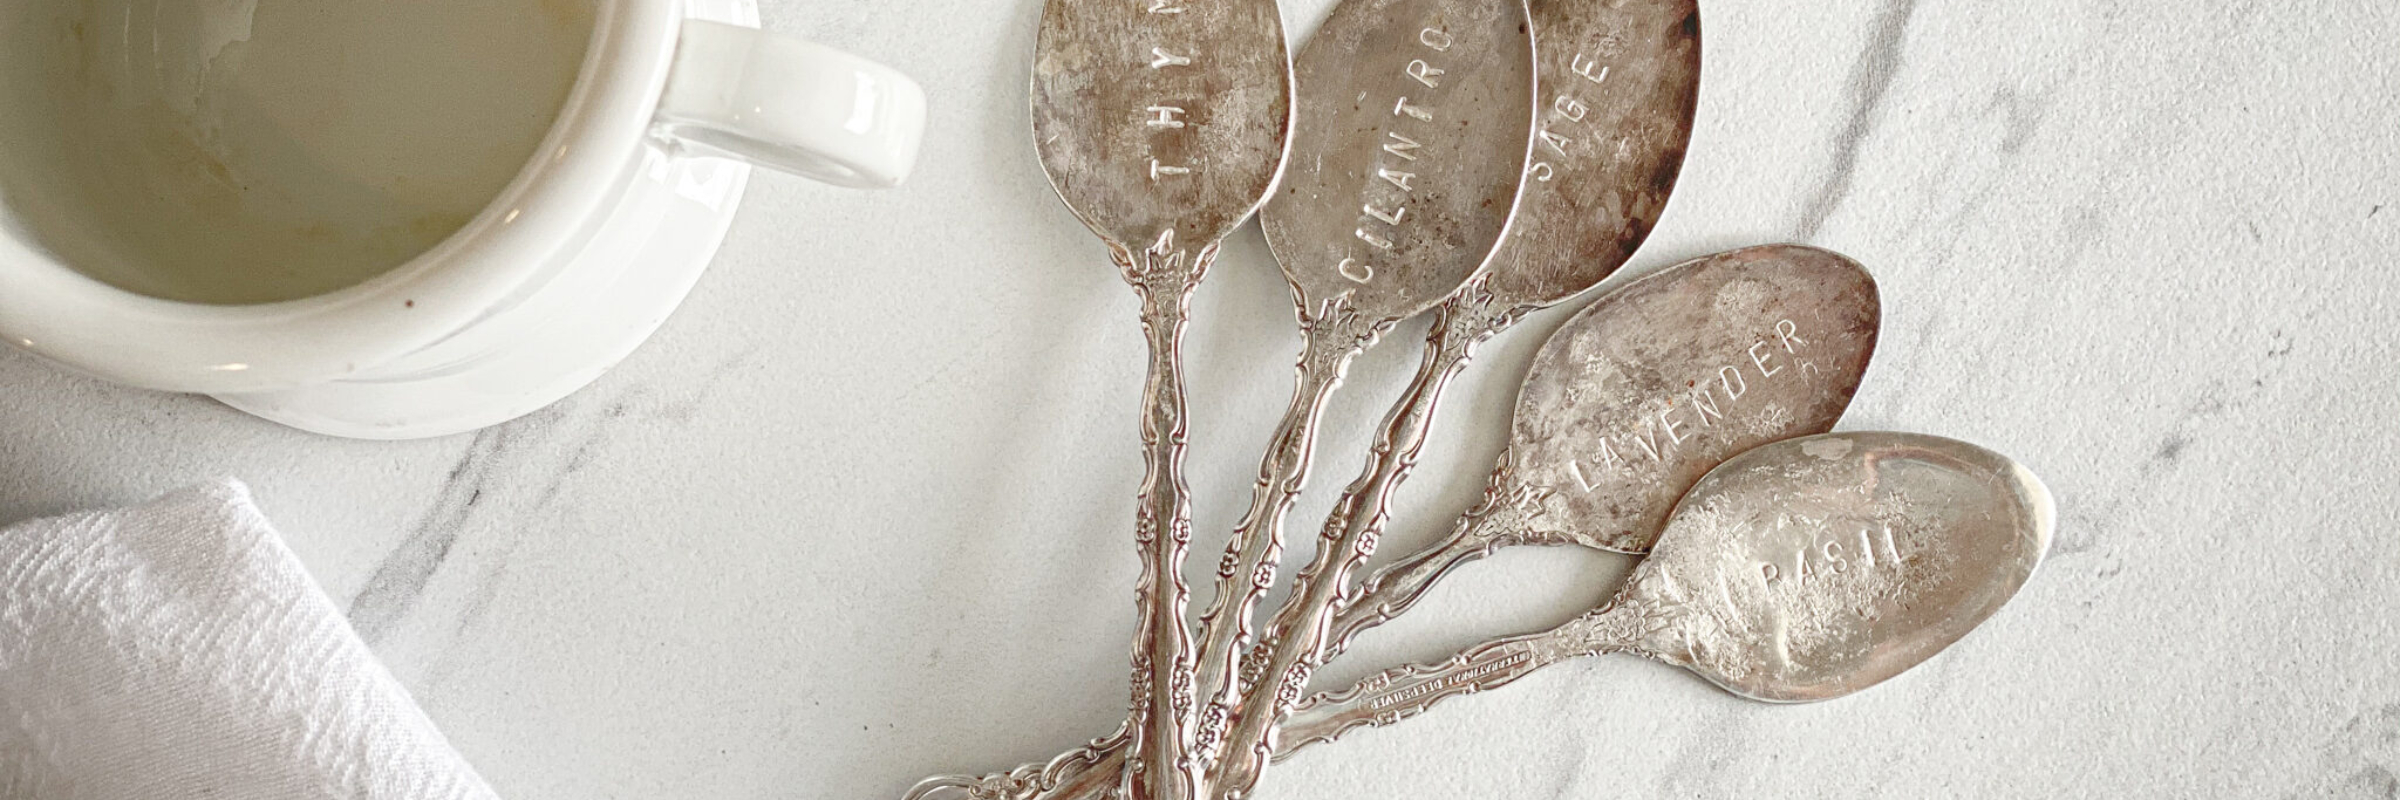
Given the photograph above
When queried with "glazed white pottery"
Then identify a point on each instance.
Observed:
(585, 246)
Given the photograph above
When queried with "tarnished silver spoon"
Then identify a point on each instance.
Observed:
(1163, 124)
(1410, 145)
(1803, 570)
(1621, 81)
(1654, 347)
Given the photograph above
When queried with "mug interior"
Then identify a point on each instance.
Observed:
(233, 152)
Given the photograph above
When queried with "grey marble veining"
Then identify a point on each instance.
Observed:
(1870, 80)
(861, 511)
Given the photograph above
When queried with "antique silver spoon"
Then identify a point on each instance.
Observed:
(1622, 81)
(1803, 570)
(1653, 348)
(1409, 149)
(1644, 391)
(1162, 124)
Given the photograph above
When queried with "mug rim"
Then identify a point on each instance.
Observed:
(57, 312)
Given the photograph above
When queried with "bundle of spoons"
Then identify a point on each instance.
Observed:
(1625, 407)
(1366, 239)
(1799, 571)
(1164, 124)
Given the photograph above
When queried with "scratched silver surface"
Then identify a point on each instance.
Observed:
(1620, 82)
(1676, 372)
(1812, 568)
(1414, 125)
(1151, 115)
(1803, 570)
(1162, 124)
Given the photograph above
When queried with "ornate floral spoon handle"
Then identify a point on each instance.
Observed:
(1494, 523)
(1256, 550)
(1288, 652)
(1163, 524)
(1381, 700)
(1405, 692)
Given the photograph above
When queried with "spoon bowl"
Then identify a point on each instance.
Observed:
(1840, 561)
(1660, 381)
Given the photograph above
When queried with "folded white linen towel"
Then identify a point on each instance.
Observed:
(178, 650)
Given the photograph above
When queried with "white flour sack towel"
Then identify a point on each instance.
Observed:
(177, 649)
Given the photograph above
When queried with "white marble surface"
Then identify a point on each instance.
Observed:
(861, 511)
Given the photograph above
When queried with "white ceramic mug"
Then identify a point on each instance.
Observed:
(584, 238)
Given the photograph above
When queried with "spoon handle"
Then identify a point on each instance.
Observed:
(1091, 773)
(1162, 690)
(1405, 692)
(1296, 641)
(1248, 570)
(1088, 771)
(1334, 335)
(1494, 523)
(1083, 772)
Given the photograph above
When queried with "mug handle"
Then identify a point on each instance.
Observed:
(800, 107)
